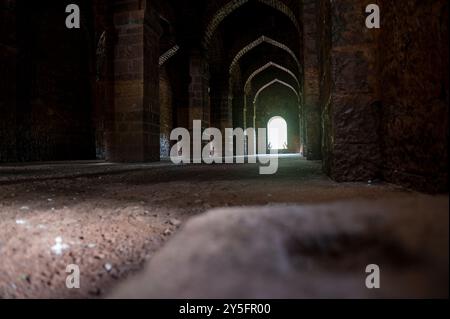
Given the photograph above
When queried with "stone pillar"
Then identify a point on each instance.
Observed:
(136, 84)
(220, 101)
(221, 106)
(238, 109)
(249, 110)
(103, 112)
(249, 116)
(226, 112)
(311, 109)
(414, 90)
(351, 108)
(199, 105)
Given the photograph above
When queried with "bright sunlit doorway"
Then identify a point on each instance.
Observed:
(277, 133)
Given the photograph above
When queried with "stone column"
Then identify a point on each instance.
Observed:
(221, 106)
(238, 109)
(311, 112)
(351, 114)
(199, 105)
(136, 84)
(249, 110)
(103, 113)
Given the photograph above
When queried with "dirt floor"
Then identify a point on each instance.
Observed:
(110, 219)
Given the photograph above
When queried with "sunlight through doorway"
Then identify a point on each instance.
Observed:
(277, 133)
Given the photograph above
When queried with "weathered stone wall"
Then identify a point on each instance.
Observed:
(152, 33)
(199, 104)
(384, 93)
(311, 83)
(104, 76)
(324, 55)
(8, 61)
(136, 84)
(221, 111)
(238, 109)
(351, 111)
(414, 83)
(54, 85)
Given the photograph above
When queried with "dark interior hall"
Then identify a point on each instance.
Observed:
(86, 116)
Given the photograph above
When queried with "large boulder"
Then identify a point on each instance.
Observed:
(316, 251)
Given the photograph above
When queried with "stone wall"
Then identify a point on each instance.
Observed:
(8, 64)
(384, 93)
(51, 118)
(136, 84)
(324, 55)
(311, 83)
(199, 104)
(351, 110)
(414, 83)
(103, 113)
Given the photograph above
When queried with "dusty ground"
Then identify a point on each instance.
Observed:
(112, 218)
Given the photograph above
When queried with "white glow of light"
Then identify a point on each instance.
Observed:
(277, 132)
(59, 246)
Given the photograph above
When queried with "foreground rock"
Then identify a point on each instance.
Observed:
(304, 252)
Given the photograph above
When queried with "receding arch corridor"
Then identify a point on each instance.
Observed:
(98, 106)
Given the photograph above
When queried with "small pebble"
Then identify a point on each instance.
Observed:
(108, 267)
(175, 222)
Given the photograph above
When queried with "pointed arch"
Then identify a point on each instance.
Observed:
(233, 5)
(275, 81)
(168, 54)
(265, 67)
(256, 43)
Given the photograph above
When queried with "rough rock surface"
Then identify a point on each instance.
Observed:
(415, 102)
(122, 214)
(303, 252)
(384, 92)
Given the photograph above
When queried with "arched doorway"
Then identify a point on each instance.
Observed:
(277, 133)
